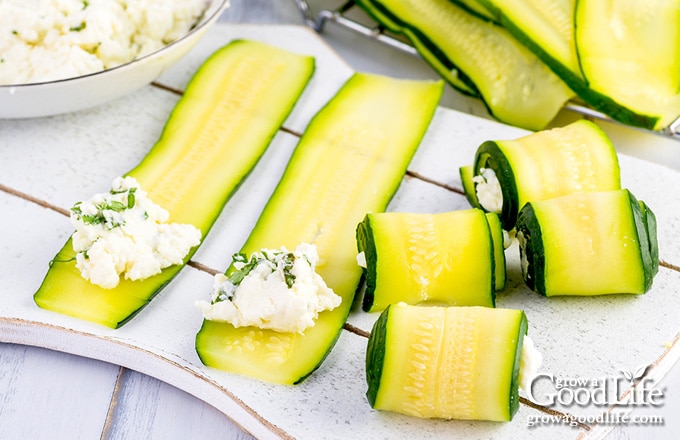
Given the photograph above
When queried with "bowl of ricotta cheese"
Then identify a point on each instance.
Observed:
(61, 56)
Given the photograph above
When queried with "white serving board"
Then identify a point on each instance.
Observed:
(48, 164)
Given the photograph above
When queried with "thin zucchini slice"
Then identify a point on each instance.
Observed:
(588, 244)
(514, 84)
(630, 51)
(445, 258)
(546, 27)
(576, 158)
(223, 123)
(350, 160)
(427, 50)
(446, 362)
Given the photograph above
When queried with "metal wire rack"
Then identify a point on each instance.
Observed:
(340, 16)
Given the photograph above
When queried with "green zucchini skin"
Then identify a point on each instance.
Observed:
(498, 239)
(649, 220)
(594, 243)
(514, 85)
(349, 161)
(445, 258)
(375, 355)
(434, 337)
(578, 157)
(490, 155)
(204, 155)
(532, 255)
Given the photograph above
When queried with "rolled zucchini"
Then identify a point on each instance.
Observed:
(446, 362)
(449, 258)
(551, 163)
(588, 244)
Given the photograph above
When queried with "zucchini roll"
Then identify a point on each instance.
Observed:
(588, 244)
(509, 173)
(453, 258)
(449, 362)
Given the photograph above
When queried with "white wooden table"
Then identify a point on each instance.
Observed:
(50, 394)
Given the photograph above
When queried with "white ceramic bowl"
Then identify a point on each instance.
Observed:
(69, 95)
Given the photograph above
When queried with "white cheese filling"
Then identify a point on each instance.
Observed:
(488, 190)
(123, 232)
(361, 260)
(275, 289)
(529, 364)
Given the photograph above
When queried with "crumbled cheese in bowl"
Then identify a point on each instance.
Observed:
(275, 289)
(123, 232)
(46, 40)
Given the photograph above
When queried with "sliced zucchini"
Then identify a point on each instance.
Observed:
(427, 50)
(546, 27)
(630, 51)
(218, 130)
(446, 362)
(445, 258)
(576, 158)
(350, 160)
(593, 243)
(514, 84)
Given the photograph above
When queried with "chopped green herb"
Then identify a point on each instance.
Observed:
(76, 208)
(78, 28)
(85, 4)
(131, 198)
(288, 261)
(237, 276)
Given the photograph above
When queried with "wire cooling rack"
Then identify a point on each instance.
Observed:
(369, 29)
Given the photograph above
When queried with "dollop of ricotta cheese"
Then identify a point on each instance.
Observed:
(274, 289)
(530, 361)
(123, 232)
(488, 189)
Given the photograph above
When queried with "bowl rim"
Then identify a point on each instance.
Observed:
(205, 20)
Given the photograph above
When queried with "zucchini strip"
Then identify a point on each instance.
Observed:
(230, 111)
(349, 161)
(594, 243)
(427, 50)
(447, 258)
(630, 51)
(446, 362)
(573, 46)
(514, 84)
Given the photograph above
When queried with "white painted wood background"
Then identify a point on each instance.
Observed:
(47, 394)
